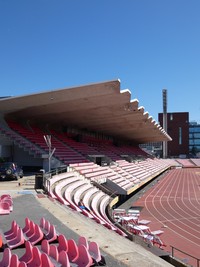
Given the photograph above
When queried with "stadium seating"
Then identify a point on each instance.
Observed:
(6, 258)
(62, 252)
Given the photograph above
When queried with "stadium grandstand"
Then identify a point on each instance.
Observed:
(82, 145)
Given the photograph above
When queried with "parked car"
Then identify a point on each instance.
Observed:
(10, 170)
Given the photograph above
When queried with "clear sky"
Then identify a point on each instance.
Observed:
(149, 45)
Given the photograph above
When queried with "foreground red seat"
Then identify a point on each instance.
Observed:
(62, 243)
(28, 255)
(36, 260)
(10, 231)
(73, 252)
(6, 258)
(18, 241)
(14, 261)
(63, 259)
(46, 262)
(51, 236)
(37, 236)
(84, 259)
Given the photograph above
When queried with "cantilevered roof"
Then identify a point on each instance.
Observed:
(100, 107)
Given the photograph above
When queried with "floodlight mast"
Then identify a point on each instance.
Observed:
(165, 121)
(47, 139)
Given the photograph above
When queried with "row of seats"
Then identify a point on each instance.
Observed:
(36, 136)
(94, 172)
(69, 150)
(69, 190)
(47, 251)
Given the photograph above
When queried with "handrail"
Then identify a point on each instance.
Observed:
(195, 258)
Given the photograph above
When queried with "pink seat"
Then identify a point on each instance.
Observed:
(45, 246)
(95, 252)
(9, 201)
(84, 259)
(14, 261)
(28, 255)
(46, 262)
(63, 259)
(62, 243)
(44, 225)
(53, 252)
(51, 235)
(36, 260)
(83, 241)
(73, 252)
(42, 222)
(26, 228)
(10, 231)
(4, 208)
(37, 236)
(13, 234)
(31, 229)
(6, 258)
(18, 241)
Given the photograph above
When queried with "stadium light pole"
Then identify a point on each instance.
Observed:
(165, 121)
(47, 139)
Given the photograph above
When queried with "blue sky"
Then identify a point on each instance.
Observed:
(148, 44)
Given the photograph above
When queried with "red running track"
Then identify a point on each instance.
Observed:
(173, 205)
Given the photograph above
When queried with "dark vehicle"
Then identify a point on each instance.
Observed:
(10, 170)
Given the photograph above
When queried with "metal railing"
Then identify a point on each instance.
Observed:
(197, 260)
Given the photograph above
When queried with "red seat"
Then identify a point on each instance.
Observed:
(10, 231)
(46, 262)
(28, 255)
(63, 259)
(95, 252)
(45, 246)
(83, 241)
(62, 243)
(36, 260)
(29, 232)
(51, 235)
(4, 208)
(73, 252)
(6, 258)
(14, 261)
(18, 241)
(84, 259)
(26, 228)
(53, 252)
(37, 236)
(13, 234)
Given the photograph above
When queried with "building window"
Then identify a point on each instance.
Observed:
(180, 136)
(171, 117)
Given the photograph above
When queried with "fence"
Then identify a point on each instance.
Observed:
(192, 260)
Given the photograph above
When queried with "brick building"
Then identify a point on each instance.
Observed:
(178, 130)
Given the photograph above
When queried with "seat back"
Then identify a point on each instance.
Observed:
(73, 252)
(62, 243)
(84, 258)
(63, 258)
(28, 255)
(6, 258)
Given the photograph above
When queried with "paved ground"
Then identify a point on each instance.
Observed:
(117, 250)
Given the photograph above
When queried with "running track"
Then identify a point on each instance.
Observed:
(173, 205)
